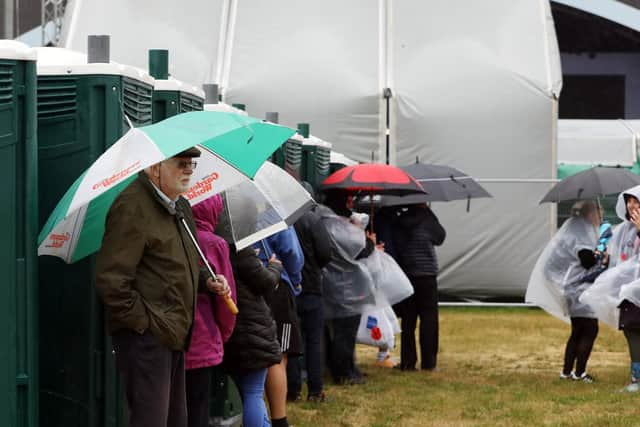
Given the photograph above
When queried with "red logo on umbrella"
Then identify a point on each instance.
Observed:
(58, 240)
(201, 187)
(108, 182)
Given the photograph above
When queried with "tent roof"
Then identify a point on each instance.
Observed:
(598, 142)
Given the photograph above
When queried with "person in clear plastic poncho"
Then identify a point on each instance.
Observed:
(557, 281)
(347, 285)
(615, 295)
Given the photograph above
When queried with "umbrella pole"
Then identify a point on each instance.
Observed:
(371, 214)
(227, 299)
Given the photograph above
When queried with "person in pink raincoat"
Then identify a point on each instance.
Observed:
(214, 322)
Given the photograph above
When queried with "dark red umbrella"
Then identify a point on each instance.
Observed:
(372, 178)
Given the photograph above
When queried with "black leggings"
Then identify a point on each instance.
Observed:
(583, 334)
(633, 340)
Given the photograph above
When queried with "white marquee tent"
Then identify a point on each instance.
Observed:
(473, 84)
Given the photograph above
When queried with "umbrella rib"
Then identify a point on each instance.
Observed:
(449, 178)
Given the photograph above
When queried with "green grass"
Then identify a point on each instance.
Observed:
(498, 367)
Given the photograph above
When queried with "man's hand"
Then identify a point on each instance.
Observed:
(380, 246)
(274, 260)
(219, 286)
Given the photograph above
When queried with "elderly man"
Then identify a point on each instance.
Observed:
(148, 275)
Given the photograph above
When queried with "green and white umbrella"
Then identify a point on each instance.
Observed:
(233, 149)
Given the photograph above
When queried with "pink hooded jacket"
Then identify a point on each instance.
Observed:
(214, 322)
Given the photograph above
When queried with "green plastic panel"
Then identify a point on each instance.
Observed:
(315, 164)
(79, 117)
(167, 103)
(18, 261)
(225, 401)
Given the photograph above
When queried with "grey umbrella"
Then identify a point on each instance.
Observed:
(442, 183)
(592, 183)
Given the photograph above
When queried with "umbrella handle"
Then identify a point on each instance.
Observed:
(227, 298)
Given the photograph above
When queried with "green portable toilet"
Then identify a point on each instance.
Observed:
(82, 110)
(316, 155)
(18, 214)
(289, 155)
(171, 96)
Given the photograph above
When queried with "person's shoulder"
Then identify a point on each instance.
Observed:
(131, 197)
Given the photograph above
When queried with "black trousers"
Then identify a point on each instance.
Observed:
(583, 334)
(198, 384)
(341, 347)
(154, 380)
(424, 304)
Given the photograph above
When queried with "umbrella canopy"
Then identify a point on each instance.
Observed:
(443, 184)
(233, 149)
(591, 183)
(256, 209)
(372, 178)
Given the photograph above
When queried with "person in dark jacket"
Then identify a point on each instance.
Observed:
(418, 232)
(316, 246)
(253, 346)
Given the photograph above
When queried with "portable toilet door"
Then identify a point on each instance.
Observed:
(171, 96)
(82, 110)
(18, 214)
(316, 160)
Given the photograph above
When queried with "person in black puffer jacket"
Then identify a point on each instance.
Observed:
(418, 231)
(253, 346)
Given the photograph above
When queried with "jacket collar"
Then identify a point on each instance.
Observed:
(146, 183)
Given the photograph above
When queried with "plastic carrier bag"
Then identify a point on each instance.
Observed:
(378, 327)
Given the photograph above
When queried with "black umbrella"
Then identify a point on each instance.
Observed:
(592, 183)
(442, 183)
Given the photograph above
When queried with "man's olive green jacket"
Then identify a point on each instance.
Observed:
(147, 270)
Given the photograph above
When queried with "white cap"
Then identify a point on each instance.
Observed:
(11, 49)
(312, 140)
(55, 61)
(224, 108)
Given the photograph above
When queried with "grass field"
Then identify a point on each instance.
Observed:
(497, 367)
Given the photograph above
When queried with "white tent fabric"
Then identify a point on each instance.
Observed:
(474, 85)
(191, 33)
(313, 62)
(598, 142)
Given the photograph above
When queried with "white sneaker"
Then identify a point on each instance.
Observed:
(631, 388)
(585, 378)
(566, 377)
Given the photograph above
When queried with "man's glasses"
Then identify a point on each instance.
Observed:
(186, 164)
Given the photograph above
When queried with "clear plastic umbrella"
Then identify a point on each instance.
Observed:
(257, 209)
